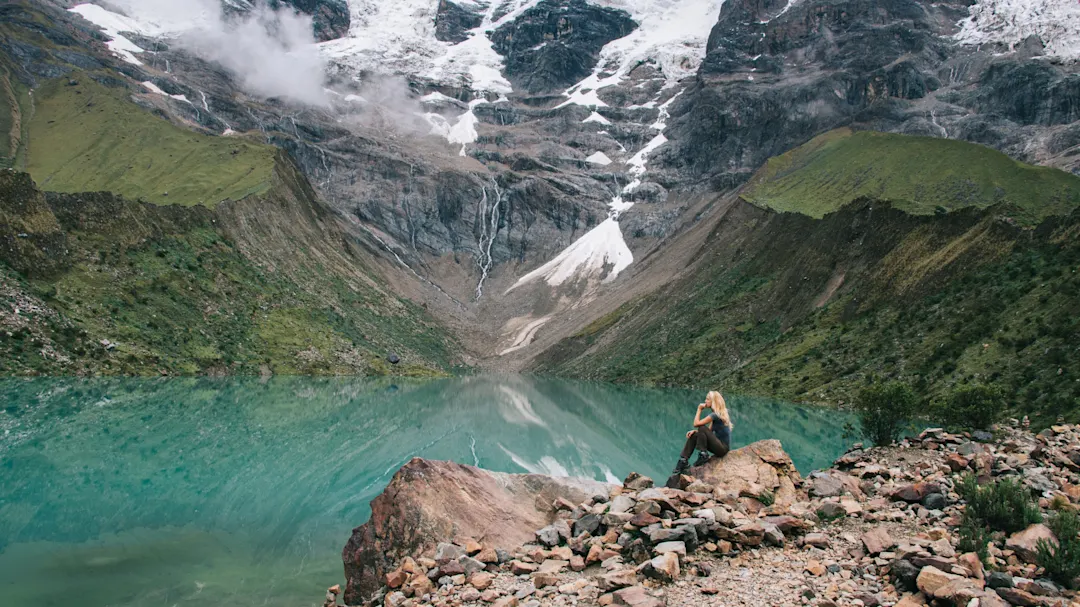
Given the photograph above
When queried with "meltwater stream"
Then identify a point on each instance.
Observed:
(205, 492)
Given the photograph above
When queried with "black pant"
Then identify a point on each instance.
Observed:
(703, 439)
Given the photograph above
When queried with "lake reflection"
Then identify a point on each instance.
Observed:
(243, 491)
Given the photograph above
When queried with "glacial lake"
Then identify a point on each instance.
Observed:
(204, 492)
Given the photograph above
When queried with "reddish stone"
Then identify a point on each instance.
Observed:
(644, 520)
(396, 578)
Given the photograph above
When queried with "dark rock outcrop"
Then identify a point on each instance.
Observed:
(32, 242)
(428, 502)
(453, 22)
(557, 42)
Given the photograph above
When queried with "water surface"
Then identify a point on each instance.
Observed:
(203, 492)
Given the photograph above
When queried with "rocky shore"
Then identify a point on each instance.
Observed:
(880, 527)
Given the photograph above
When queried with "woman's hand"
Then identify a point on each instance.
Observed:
(702, 406)
(689, 434)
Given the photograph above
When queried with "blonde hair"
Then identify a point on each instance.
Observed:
(717, 404)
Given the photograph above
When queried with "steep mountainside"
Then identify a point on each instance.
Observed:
(523, 168)
(813, 303)
(190, 253)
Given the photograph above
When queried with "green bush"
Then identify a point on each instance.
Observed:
(1062, 561)
(767, 498)
(1005, 505)
(885, 411)
(974, 537)
(975, 406)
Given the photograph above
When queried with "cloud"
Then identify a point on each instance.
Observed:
(271, 53)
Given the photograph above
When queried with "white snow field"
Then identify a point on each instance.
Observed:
(1010, 22)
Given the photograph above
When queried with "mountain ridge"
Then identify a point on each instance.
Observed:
(523, 170)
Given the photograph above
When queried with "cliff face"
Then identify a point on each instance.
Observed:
(428, 502)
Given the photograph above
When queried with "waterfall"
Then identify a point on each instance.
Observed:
(487, 233)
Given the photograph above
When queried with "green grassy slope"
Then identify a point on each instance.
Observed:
(811, 309)
(88, 137)
(920, 175)
(240, 269)
(177, 293)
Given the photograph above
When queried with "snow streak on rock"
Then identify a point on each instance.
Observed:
(603, 247)
(671, 36)
(1010, 22)
(153, 88)
(114, 23)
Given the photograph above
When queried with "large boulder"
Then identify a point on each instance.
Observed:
(428, 502)
(760, 466)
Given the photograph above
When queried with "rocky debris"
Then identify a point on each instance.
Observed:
(718, 544)
(430, 503)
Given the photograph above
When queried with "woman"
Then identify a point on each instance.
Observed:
(710, 436)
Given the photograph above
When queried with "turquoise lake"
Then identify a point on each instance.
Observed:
(205, 492)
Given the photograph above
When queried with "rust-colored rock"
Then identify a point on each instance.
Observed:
(1024, 543)
(428, 502)
(877, 540)
(395, 579)
(759, 466)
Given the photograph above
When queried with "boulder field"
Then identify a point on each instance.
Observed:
(880, 527)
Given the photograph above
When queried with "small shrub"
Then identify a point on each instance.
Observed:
(974, 538)
(885, 411)
(767, 498)
(1061, 561)
(975, 406)
(1005, 505)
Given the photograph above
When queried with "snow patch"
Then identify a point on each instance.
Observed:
(599, 247)
(399, 38)
(599, 158)
(462, 132)
(153, 88)
(1010, 22)
(595, 117)
(114, 23)
(524, 335)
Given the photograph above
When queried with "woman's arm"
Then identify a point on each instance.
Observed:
(698, 422)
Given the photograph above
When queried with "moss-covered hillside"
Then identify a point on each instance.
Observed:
(812, 309)
(239, 268)
(88, 137)
(920, 175)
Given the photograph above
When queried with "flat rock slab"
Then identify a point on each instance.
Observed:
(637, 596)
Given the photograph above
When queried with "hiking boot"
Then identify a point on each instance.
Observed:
(702, 459)
(681, 466)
